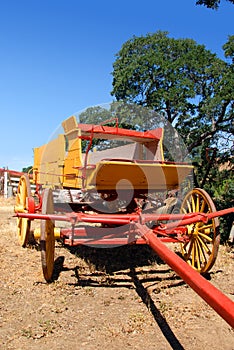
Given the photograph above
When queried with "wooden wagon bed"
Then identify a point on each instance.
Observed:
(138, 165)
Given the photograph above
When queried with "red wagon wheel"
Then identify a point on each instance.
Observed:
(47, 240)
(202, 248)
(21, 206)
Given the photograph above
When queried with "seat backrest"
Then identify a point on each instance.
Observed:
(73, 157)
(150, 150)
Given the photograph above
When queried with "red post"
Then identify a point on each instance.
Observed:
(214, 297)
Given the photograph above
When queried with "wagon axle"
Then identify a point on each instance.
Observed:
(178, 228)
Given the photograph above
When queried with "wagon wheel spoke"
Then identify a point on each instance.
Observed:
(202, 248)
(23, 224)
(198, 256)
(193, 204)
(202, 253)
(187, 248)
(198, 204)
(47, 240)
(203, 206)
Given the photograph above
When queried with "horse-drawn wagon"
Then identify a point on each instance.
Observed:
(113, 198)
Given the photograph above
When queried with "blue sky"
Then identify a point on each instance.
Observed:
(56, 58)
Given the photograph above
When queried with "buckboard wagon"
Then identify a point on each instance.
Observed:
(111, 201)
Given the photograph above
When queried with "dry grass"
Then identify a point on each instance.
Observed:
(104, 299)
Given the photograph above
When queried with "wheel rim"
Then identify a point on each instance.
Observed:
(23, 224)
(47, 241)
(201, 250)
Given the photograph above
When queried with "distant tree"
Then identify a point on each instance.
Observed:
(94, 115)
(180, 79)
(229, 48)
(213, 4)
(115, 114)
(27, 169)
(128, 115)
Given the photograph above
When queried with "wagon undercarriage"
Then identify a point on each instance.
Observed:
(196, 232)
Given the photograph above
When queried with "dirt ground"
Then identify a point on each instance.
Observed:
(122, 298)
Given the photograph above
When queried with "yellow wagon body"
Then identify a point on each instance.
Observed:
(139, 166)
(111, 175)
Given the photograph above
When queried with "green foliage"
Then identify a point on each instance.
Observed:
(179, 79)
(213, 4)
(125, 116)
(221, 186)
(94, 115)
(134, 117)
(228, 48)
(214, 171)
(27, 169)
